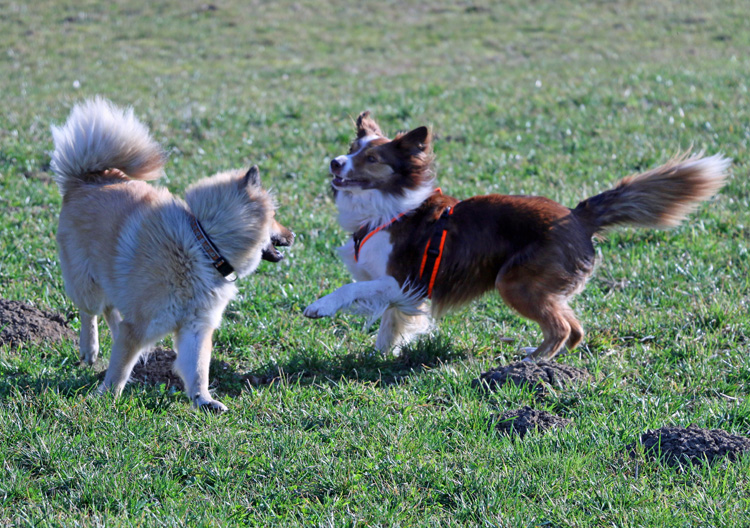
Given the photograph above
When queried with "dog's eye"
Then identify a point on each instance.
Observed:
(370, 159)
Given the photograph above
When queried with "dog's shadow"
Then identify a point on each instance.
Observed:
(366, 366)
(154, 373)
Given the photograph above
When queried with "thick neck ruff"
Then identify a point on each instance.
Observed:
(220, 263)
(372, 208)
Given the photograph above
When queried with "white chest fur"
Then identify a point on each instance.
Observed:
(373, 257)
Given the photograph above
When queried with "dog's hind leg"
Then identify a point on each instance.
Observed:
(89, 338)
(192, 364)
(532, 299)
(576, 330)
(574, 339)
(113, 318)
(398, 329)
(126, 351)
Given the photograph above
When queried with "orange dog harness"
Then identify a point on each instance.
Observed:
(433, 251)
(360, 238)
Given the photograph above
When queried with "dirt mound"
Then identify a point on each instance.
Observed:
(156, 369)
(528, 420)
(21, 324)
(537, 375)
(677, 444)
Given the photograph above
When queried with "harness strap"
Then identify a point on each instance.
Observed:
(433, 251)
(362, 236)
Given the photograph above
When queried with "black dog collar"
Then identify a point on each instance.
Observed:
(219, 262)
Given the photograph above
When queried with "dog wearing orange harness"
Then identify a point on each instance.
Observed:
(411, 243)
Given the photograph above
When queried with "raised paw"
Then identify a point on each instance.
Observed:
(320, 308)
(529, 351)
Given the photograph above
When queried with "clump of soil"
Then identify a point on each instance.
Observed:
(156, 369)
(527, 420)
(23, 324)
(537, 375)
(675, 445)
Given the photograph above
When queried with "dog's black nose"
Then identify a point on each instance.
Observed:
(335, 164)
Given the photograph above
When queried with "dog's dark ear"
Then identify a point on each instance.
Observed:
(417, 140)
(252, 177)
(366, 126)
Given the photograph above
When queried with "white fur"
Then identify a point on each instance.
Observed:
(368, 298)
(376, 294)
(192, 364)
(398, 328)
(88, 341)
(712, 168)
(373, 256)
(372, 208)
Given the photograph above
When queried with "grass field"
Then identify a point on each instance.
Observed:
(555, 98)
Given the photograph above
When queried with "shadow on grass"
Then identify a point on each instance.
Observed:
(226, 380)
(369, 366)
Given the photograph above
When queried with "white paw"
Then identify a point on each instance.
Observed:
(320, 308)
(528, 351)
(209, 404)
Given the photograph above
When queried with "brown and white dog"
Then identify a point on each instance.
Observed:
(411, 242)
(151, 263)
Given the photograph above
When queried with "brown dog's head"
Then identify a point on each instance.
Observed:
(376, 162)
(280, 236)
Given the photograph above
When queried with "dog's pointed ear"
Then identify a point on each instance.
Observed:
(366, 126)
(252, 177)
(417, 140)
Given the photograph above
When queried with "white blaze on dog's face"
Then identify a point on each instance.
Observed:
(376, 162)
(342, 167)
(380, 177)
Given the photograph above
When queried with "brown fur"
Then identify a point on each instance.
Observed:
(535, 252)
(392, 166)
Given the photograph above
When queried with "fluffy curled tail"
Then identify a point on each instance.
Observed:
(660, 198)
(99, 136)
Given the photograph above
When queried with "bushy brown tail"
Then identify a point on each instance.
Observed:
(659, 198)
(99, 136)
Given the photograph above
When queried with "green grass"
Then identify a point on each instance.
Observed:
(555, 98)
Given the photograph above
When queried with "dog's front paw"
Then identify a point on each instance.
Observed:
(320, 308)
(209, 405)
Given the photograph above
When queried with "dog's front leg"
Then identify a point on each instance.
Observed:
(192, 364)
(370, 296)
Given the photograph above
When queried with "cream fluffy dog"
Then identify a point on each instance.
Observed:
(151, 263)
